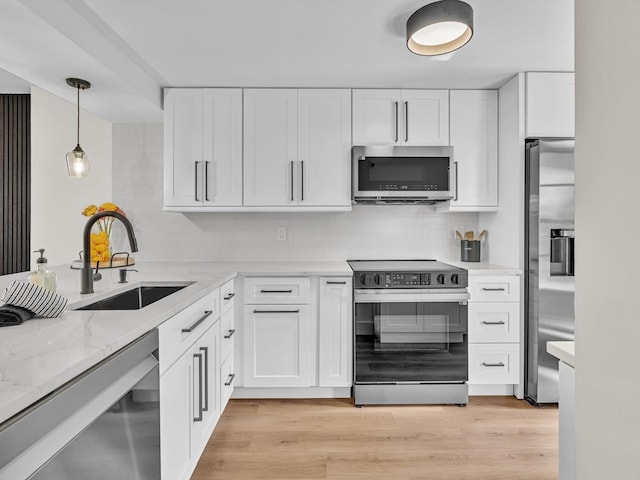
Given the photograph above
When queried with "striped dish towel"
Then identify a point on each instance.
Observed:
(41, 301)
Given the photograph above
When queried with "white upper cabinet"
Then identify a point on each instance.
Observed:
(474, 137)
(203, 147)
(297, 148)
(270, 147)
(400, 117)
(550, 105)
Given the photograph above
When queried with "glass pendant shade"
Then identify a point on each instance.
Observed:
(440, 27)
(78, 164)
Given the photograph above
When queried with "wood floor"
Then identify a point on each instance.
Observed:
(493, 438)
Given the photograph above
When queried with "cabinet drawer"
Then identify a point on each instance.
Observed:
(227, 296)
(184, 328)
(228, 332)
(496, 288)
(227, 377)
(494, 363)
(494, 322)
(273, 291)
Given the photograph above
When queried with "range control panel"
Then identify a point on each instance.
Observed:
(456, 279)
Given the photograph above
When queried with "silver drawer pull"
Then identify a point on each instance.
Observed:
(195, 324)
(276, 311)
(230, 296)
(336, 283)
(276, 291)
(499, 364)
(501, 289)
(230, 379)
(230, 334)
(493, 323)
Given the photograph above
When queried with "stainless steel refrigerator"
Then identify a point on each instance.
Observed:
(549, 266)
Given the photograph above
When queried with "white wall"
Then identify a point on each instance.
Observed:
(366, 232)
(607, 226)
(57, 200)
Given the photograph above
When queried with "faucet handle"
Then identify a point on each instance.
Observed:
(97, 275)
(123, 274)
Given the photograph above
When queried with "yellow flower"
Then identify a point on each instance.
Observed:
(90, 211)
(109, 207)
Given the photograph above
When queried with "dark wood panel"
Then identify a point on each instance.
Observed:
(15, 181)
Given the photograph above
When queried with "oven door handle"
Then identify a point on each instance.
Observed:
(377, 296)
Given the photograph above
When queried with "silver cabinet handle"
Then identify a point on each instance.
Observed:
(455, 172)
(230, 296)
(329, 282)
(230, 334)
(396, 118)
(276, 311)
(196, 181)
(230, 379)
(206, 377)
(493, 323)
(499, 364)
(406, 121)
(195, 324)
(276, 291)
(292, 180)
(301, 179)
(198, 418)
(206, 181)
(500, 289)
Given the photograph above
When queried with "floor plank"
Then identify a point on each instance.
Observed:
(493, 438)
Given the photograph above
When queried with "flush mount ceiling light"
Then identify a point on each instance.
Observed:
(78, 164)
(440, 27)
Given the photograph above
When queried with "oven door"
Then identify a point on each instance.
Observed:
(410, 338)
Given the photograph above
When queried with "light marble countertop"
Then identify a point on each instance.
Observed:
(484, 268)
(42, 354)
(564, 351)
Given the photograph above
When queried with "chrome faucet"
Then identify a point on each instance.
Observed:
(87, 271)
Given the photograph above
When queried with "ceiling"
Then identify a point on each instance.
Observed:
(130, 49)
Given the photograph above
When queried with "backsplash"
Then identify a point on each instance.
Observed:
(368, 231)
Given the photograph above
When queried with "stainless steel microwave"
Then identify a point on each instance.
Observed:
(406, 174)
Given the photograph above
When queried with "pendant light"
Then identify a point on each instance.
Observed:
(78, 164)
(440, 27)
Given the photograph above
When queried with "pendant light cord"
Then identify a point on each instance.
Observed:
(78, 103)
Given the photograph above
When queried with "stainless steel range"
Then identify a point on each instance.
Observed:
(410, 332)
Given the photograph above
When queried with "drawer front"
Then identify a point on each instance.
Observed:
(277, 291)
(494, 288)
(178, 333)
(494, 363)
(227, 377)
(491, 322)
(228, 333)
(227, 296)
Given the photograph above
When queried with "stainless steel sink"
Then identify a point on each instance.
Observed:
(134, 299)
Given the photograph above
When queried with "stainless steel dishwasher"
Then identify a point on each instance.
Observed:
(104, 424)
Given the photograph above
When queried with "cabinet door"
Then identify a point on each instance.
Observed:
(550, 104)
(474, 137)
(222, 147)
(176, 417)
(183, 159)
(376, 117)
(334, 333)
(270, 147)
(324, 147)
(277, 344)
(424, 117)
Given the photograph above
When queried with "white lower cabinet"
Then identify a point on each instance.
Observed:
(494, 330)
(334, 332)
(277, 342)
(192, 381)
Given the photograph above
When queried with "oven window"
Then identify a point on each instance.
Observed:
(411, 342)
(403, 173)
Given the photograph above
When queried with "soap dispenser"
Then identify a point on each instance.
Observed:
(42, 276)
